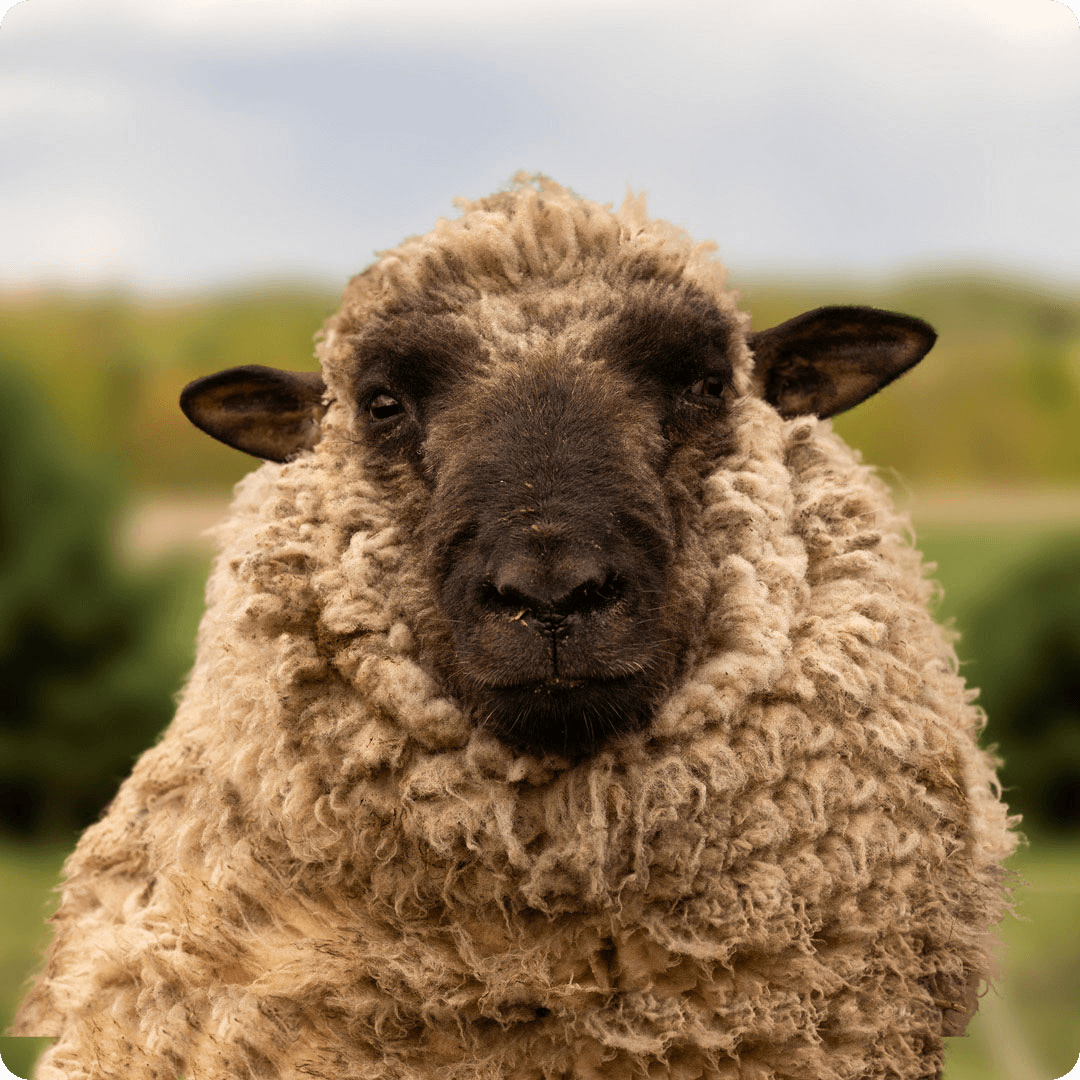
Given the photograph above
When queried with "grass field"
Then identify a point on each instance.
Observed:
(28, 874)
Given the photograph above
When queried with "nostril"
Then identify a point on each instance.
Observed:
(517, 581)
(593, 595)
(493, 595)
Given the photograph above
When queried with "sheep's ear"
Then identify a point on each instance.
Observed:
(830, 359)
(265, 412)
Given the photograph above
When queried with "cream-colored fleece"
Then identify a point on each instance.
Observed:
(325, 870)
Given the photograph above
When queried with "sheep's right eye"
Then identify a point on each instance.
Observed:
(383, 407)
(711, 386)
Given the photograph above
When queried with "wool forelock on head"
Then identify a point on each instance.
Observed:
(540, 236)
(358, 852)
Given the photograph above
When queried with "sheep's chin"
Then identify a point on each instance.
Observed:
(573, 718)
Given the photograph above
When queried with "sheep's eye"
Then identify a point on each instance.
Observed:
(383, 407)
(712, 386)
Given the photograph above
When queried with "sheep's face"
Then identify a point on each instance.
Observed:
(557, 447)
(553, 440)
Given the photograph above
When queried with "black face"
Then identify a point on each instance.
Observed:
(551, 529)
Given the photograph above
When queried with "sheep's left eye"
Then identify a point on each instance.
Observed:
(711, 386)
(383, 406)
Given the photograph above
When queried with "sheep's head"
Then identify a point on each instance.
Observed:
(553, 418)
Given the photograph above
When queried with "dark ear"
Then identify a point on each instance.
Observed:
(265, 412)
(830, 359)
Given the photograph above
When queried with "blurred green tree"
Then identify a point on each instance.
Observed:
(87, 671)
(1025, 638)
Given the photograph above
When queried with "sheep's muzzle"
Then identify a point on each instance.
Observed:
(551, 545)
(561, 634)
(574, 625)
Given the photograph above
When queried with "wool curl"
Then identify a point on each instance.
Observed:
(325, 869)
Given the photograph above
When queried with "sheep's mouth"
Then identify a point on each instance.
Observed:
(572, 717)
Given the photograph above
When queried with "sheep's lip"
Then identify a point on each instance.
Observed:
(574, 717)
(556, 684)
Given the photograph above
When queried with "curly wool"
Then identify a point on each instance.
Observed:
(324, 869)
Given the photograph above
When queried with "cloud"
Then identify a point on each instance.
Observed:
(227, 140)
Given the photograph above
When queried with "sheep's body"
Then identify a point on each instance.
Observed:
(325, 869)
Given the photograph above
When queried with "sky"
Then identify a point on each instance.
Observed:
(164, 146)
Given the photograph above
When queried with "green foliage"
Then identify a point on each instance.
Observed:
(1014, 596)
(996, 401)
(87, 665)
(112, 369)
(1025, 641)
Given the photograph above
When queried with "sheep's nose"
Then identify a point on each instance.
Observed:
(551, 595)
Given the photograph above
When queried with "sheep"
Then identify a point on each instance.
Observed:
(567, 703)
